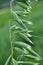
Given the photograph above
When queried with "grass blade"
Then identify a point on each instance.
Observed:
(25, 62)
(26, 38)
(33, 57)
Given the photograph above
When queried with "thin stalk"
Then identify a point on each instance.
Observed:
(11, 33)
(11, 44)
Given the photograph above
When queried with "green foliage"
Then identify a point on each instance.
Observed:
(38, 25)
(23, 37)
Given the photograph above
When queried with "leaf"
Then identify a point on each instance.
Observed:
(33, 57)
(15, 27)
(25, 62)
(23, 31)
(36, 54)
(26, 38)
(18, 49)
(23, 51)
(8, 60)
(23, 1)
(21, 13)
(29, 35)
(28, 22)
(16, 16)
(28, 47)
(23, 5)
(19, 20)
(22, 44)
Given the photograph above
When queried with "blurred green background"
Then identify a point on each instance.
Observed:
(36, 16)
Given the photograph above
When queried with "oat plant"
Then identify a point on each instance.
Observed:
(20, 35)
